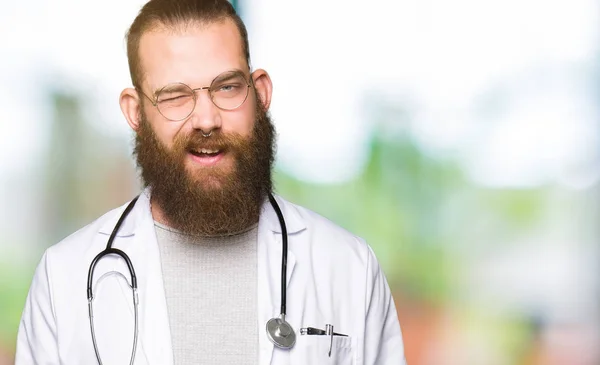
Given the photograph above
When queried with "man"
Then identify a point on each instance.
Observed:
(204, 239)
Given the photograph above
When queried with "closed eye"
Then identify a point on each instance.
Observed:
(173, 98)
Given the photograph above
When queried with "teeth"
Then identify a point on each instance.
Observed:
(204, 150)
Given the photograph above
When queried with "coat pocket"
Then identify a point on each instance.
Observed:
(314, 350)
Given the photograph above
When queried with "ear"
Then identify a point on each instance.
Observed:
(263, 87)
(130, 106)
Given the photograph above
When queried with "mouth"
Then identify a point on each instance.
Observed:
(206, 156)
(204, 152)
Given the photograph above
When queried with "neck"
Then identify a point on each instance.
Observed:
(157, 214)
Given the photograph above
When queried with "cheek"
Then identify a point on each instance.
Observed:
(166, 132)
(240, 121)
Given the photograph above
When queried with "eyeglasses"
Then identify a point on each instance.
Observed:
(177, 101)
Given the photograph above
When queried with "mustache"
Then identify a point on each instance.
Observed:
(217, 141)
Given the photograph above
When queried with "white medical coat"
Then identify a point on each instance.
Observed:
(332, 278)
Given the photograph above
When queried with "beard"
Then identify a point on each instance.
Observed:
(211, 200)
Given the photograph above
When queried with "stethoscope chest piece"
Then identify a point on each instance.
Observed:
(281, 333)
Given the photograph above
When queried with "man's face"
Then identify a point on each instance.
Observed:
(195, 56)
(200, 194)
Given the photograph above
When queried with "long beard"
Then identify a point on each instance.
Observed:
(210, 201)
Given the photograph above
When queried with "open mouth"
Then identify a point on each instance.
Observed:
(205, 152)
(206, 156)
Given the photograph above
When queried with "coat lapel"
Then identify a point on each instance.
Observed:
(154, 332)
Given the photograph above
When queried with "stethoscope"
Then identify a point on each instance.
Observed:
(279, 331)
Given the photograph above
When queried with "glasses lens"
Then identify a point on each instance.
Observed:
(229, 90)
(176, 101)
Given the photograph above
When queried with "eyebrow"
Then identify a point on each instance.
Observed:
(157, 91)
(233, 70)
(233, 73)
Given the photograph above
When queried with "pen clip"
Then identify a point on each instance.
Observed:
(329, 330)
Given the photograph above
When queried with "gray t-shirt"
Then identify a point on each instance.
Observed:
(211, 291)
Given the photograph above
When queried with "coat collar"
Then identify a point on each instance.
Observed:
(293, 220)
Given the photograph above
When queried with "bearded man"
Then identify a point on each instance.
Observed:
(206, 266)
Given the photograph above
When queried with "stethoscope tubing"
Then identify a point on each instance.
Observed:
(284, 239)
(109, 250)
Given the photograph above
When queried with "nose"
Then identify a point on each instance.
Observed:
(206, 116)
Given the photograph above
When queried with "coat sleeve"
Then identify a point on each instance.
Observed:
(383, 337)
(37, 337)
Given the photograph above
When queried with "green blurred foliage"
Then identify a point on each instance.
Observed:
(418, 212)
(394, 205)
(14, 284)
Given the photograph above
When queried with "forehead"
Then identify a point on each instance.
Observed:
(194, 54)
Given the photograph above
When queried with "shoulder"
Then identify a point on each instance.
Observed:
(316, 222)
(327, 237)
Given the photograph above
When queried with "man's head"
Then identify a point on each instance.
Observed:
(189, 64)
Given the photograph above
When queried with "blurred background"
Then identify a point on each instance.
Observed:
(460, 138)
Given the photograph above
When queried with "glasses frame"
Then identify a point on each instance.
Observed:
(194, 92)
